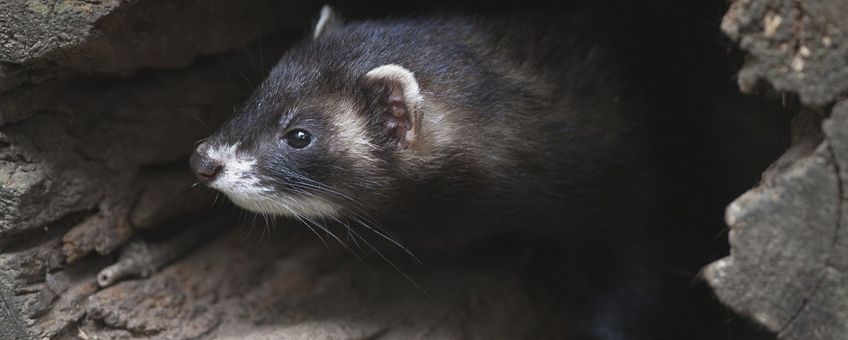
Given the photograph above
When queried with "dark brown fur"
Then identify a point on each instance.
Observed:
(524, 124)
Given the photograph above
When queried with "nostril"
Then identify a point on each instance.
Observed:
(209, 173)
(204, 168)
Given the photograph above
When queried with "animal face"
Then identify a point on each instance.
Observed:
(317, 139)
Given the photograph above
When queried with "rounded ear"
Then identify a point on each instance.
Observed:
(403, 102)
(327, 21)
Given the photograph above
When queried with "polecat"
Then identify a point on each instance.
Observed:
(521, 121)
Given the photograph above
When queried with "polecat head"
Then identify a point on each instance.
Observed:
(320, 137)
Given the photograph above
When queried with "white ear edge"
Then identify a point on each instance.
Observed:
(411, 92)
(323, 19)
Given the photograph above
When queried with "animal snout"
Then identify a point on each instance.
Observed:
(204, 168)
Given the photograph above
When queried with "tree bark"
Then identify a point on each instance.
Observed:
(787, 266)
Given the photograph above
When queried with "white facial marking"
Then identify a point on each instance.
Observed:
(440, 125)
(353, 136)
(236, 178)
(239, 181)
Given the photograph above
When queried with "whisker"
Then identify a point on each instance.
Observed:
(266, 227)
(347, 247)
(357, 213)
(199, 141)
(196, 116)
(407, 277)
(249, 232)
(299, 218)
(342, 243)
(250, 55)
(378, 229)
(350, 236)
(392, 240)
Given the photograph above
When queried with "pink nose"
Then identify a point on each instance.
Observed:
(204, 169)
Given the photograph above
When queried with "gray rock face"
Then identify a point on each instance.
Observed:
(787, 242)
(40, 40)
(794, 46)
(89, 155)
(787, 264)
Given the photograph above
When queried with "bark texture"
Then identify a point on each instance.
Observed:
(787, 266)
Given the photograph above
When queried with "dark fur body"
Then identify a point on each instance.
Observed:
(525, 124)
(537, 119)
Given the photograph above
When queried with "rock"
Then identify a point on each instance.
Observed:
(41, 40)
(787, 266)
(795, 46)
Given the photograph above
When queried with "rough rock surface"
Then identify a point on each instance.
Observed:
(43, 39)
(100, 102)
(787, 267)
(795, 46)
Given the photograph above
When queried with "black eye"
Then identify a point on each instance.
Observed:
(298, 139)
